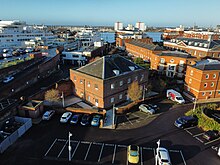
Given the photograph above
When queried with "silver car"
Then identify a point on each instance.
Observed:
(48, 114)
(147, 109)
(163, 157)
(65, 117)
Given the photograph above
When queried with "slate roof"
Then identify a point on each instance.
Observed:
(208, 64)
(212, 44)
(175, 54)
(146, 46)
(104, 67)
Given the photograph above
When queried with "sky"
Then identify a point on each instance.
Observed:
(106, 12)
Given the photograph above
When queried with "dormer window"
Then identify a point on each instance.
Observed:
(116, 72)
(131, 68)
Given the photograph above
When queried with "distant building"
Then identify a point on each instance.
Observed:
(202, 80)
(171, 33)
(105, 81)
(140, 26)
(205, 35)
(199, 48)
(118, 26)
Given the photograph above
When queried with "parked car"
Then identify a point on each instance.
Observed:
(186, 121)
(75, 119)
(48, 114)
(211, 134)
(8, 79)
(133, 154)
(96, 120)
(147, 109)
(175, 96)
(85, 119)
(65, 117)
(163, 157)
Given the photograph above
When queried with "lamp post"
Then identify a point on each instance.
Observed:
(194, 106)
(62, 96)
(69, 147)
(113, 116)
(158, 146)
(144, 90)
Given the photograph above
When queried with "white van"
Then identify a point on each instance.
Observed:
(175, 96)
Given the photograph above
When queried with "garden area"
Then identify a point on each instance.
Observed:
(14, 62)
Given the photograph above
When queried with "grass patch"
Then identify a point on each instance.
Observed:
(205, 122)
(15, 62)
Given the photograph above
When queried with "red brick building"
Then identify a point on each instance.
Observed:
(143, 50)
(196, 47)
(202, 80)
(105, 81)
(201, 35)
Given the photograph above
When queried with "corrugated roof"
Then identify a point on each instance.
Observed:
(208, 64)
(175, 54)
(146, 46)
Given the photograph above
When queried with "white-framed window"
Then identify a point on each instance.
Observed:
(181, 62)
(112, 86)
(210, 93)
(89, 98)
(212, 84)
(207, 76)
(129, 80)
(214, 75)
(121, 83)
(74, 78)
(191, 72)
(205, 85)
(81, 94)
(219, 92)
(96, 86)
(203, 93)
(112, 100)
(81, 81)
(120, 96)
(172, 60)
(190, 81)
(88, 84)
(162, 60)
(188, 88)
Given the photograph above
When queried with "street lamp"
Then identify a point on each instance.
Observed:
(194, 101)
(69, 147)
(62, 96)
(158, 145)
(113, 116)
(144, 90)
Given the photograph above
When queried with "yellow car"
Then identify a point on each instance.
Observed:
(133, 154)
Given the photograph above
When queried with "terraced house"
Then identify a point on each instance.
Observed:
(202, 80)
(105, 81)
(199, 48)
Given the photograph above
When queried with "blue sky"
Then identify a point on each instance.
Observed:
(106, 12)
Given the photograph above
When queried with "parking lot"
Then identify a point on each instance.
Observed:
(197, 133)
(104, 153)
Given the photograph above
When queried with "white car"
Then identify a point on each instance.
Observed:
(48, 114)
(8, 79)
(163, 157)
(147, 109)
(65, 117)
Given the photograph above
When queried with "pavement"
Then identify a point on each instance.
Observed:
(108, 122)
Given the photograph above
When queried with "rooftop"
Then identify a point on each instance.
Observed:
(175, 54)
(208, 64)
(146, 46)
(109, 66)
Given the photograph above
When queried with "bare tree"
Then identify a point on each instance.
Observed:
(134, 91)
(52, 95)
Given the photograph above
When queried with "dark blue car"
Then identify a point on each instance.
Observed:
(186, 121)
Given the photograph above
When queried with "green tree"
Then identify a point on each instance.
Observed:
(134, 91)
(138, 61)
(52, 95)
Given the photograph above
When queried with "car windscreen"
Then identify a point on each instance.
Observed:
(134, 153)
(179, 98)
(164, 160)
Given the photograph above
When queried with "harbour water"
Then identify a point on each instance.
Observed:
(155, 35)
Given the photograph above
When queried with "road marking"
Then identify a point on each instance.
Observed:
(147, 148)
(109, 144)
(182, 157)
(113, 157)
(138, 116)
(75, 149)
(74, 141)
(177, 151)
(190, 128)
(188, 132)
(199, 140)
(154, 152)
(85, 142)
(128, 120)
(61, 140)
(198, 134)
(215, 148)
(122, 146)
(62, 149)
(101, 152)
(211, 141)
(88, 150)
(51, 146)
(97, 143)
(141, 155)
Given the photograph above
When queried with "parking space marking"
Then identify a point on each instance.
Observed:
(113, 157)
(188, 131)
(75, 149)
(62, 149)
(85, 142)
(190, 128)
(212, 141)
(138, 116)
(88, 151)
(61, 140)
(154, 152)
(50, 147)
(122, 146)
(183, 157)
(74, 141)
(176, 151)
(198, 134)
(147, 148)
(141, 153)
(97, 143)
(107, 144)
(101, 152)
(128, 120)
(199, 140)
